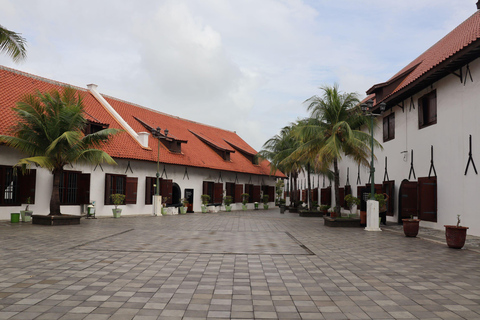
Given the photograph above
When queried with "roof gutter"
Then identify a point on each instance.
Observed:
(141, 137)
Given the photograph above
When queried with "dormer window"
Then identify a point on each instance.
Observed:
(166, 138)
(93, 127)
(222, 150)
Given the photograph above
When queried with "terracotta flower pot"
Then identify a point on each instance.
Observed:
(410, 227)
(456, 236)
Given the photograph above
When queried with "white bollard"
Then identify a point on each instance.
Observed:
(373, 217)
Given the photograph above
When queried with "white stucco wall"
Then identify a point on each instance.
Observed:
(141, 169)
(458, 116)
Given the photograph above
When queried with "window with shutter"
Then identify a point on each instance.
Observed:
(238, 193)
(326, 196)
(131, 185)
(389, 127)
(217, 192)
(83, 192)
(166, 189)
(427, 109)
(9, 187)
(256, 194)
(114, 183)
(271, 193)
(230, 189)
(26, 186)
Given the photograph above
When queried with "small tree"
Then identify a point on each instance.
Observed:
(245, 197)
(205, 199)
(117, 199)
(279, 185)
(351, 201)
(265, 199)
(228, 200)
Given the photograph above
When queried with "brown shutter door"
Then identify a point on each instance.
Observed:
(385, 129)
(427, 199)
(238, 192)
(108, 185)
(26, 186)
(391, 126)
(315, 195)
(149, 189)
(131, 190)
(205, 187)
(407, 202)
(271, 193)
(256, 193)
(83, 190)
(326, 196)
(217, 192)
(166, 189)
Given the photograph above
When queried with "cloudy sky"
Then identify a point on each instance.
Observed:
(241, 65)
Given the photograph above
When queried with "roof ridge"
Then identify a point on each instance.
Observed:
(33, 76)
(164, 113)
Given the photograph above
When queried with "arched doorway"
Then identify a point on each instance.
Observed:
(176, 194)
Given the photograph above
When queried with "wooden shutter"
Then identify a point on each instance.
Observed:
(432, 107)
(150, 189)
(166, 189)
(26, 186)
(205, 187)
(256, 193)
(421, 121)
(229, 189)
(341, 192)
(391, 126)
(271, 193)
(217, 192)
(108, 185)
(131, 185)
(304, 195)
(385, 129)
(249, 190)
(407, 202)
(238, 193)
(427, 199)
(326, 196)
(83, 190)
(389, 189)
(315, 195)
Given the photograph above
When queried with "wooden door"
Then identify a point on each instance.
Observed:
(407, 200)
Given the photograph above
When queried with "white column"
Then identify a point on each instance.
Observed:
(157, 205)
(373, 217)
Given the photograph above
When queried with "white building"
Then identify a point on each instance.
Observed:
(430, 133)
(195, 159)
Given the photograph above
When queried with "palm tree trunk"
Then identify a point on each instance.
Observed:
(336, 186)
(309, 191)
(55, 199)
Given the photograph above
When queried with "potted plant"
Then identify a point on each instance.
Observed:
(265, 201)
(183, 210)
(351, 201)
(26, 214)
(324, 209)
(411, 227)
(456, 235)
(205, 199)
(117, 199)
(245, 197)
(164, 206)
(228, 203)
(282, 205)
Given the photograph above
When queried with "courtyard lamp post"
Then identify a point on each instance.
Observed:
(372, 204)
(158, 134)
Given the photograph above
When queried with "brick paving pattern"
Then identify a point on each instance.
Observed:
(240, 265)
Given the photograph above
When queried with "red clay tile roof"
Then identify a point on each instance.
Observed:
(195, 153)
(454, 42)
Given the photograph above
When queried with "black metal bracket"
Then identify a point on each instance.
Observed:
(236, 178)
(250, 180)
(128, 167)
(186, 174)
(97, 166)
(412, 104)
(386, 172)
(432, 166)
(470, 158)
(402, 106)
(220, 177)
(359, 181)
(412, 170)
(467, 72)
(348, 181)
(323, 182)
(164, 171)
(459, 75)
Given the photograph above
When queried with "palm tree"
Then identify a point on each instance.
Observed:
(49, 131)
(13, 44)
(334, 130)
(278, 150)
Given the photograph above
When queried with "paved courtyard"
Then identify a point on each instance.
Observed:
(239, 265)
